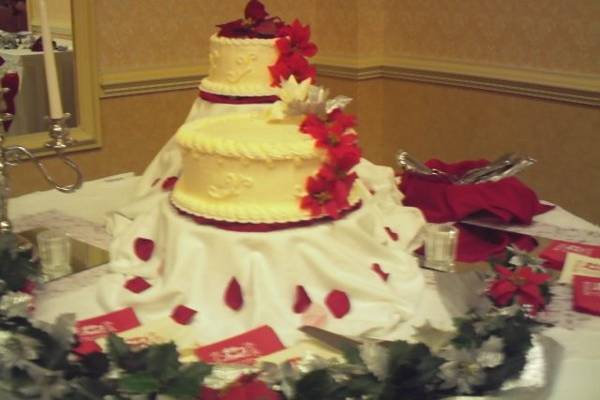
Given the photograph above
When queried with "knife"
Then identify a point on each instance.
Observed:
(338, 342)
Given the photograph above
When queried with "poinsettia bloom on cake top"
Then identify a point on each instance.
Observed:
(295, 38)
(522, 284)
(255, 24)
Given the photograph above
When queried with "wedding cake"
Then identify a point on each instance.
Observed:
(261, 211)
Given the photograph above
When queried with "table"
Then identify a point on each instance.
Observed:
(578, 334)
(31, 103)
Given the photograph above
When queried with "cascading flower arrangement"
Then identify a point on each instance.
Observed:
(293, 41)
(331, 128)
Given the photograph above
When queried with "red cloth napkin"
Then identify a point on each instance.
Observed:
(476, 243)
(507, 200)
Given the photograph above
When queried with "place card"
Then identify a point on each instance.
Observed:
(555, 253)
(242, 349)
(90, 330)
(578, 264)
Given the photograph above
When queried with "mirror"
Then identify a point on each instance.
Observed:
(72, 29)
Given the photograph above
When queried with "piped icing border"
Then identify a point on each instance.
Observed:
(190, 140)
(247, 213)
(262, 227)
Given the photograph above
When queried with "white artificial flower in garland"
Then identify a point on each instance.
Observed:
(464, 368)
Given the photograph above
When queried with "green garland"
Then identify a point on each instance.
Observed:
(488, 348)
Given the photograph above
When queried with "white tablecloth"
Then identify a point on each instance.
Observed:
(31, 103)
(577, 333)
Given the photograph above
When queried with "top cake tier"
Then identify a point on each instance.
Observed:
(240, 67)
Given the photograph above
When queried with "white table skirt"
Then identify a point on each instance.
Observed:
(577, 333)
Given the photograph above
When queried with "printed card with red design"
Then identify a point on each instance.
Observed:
(242, 349)
(586, 283)
(555, 253)
(92, 329)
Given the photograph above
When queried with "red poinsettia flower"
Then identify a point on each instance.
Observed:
(522, 284)
(255, 24)
(246, 387)
(344, 157)
(340, 121)
(295, 65)
(295, 38)
(329, 196)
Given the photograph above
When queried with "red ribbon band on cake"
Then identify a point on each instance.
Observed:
(261, 227)
(217, 98)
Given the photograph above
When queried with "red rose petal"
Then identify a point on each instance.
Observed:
(233, 295)
(302, 300)
(393, 235)
(169, 183)
(137, 284)
(182, 314)
(143, 248)
(28, 286)
(338, 303)
(377, 268)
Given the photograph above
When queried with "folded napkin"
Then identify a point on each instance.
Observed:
(507, 200)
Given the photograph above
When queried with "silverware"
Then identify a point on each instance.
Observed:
(338, 342)
(515, 169)
(477, 174)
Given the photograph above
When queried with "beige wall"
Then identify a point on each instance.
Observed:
(59, 17)
(429, 120)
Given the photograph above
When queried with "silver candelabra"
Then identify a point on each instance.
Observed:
(11, 156)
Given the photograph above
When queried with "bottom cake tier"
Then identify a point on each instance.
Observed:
(355, 275)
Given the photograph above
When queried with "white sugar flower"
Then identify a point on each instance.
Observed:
(291, 90)
(465, 368)
(376, 358)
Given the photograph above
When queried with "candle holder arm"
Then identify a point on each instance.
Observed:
(17, 154)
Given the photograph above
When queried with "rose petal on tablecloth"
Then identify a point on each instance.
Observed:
(233, 295)
(137, 284)
(393, 235)
(143, 248)
(382, 274)
(303, 301)
(183, 315)
(169, 183)
(338, 303)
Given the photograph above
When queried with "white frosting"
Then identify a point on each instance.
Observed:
(243, 168)
(240, 67)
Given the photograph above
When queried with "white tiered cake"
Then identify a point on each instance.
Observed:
(272, 220)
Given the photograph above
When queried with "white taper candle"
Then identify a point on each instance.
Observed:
(54, 101)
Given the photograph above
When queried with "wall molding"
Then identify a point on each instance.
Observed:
(565, 87)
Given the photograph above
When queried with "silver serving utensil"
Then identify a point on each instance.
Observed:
(408, 163)
(476, 174)
(515, 169)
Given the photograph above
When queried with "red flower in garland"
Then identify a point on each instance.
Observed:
(295, 39)
(328, 196)
(246, 387)
(256, 23)
(522, 284)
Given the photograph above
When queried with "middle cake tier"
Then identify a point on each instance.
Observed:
(247, 169)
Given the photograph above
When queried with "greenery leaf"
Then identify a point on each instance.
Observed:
(139, 383)
(163, 361)
(188, 381)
